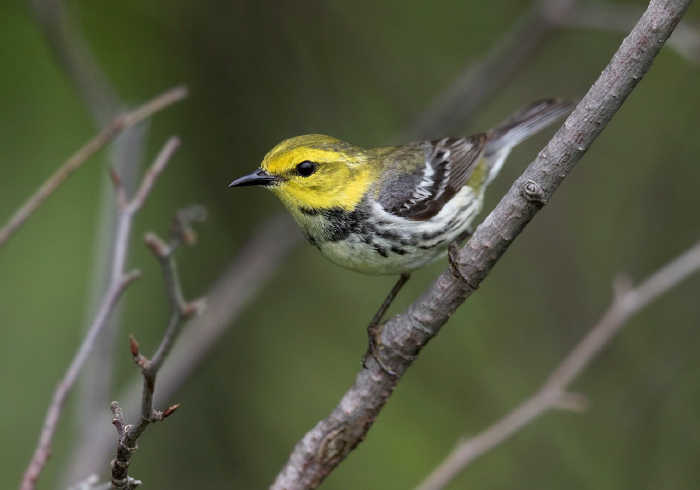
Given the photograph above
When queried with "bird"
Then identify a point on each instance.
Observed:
(392, 210)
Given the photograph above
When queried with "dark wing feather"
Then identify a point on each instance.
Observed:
(448, 165)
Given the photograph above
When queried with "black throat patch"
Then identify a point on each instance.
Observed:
(339, 223)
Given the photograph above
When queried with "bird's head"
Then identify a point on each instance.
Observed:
(314, 172)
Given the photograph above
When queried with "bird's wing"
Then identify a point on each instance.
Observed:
(439, 170)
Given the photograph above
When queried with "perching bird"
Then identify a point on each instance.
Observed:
(392, 210)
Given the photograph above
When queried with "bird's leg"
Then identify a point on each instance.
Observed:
(374, 330)
(376, 320)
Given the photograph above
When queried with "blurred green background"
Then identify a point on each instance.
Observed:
(260, 71)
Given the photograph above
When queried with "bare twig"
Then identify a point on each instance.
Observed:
(181, 311)
(124, 452)
(118, 282)
(323, 448)
(66, 40)
(260, 258)
(551, 395)
(43, 449)
(117, 125)
(478, 81)
(252, 268)
(154, 172)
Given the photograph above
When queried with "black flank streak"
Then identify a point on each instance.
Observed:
(380, 250)
(387, 234)
(344, 223)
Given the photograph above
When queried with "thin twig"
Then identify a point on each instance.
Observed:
(118, 282)
(262, 255)
(260, 258)
(323, 448)
(117, 125)
(240, 282)
(624, 306)
(66, 40)
(43, 449)
(154, 172)
(181, 312)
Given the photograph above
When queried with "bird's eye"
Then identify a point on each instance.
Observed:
(306, 168)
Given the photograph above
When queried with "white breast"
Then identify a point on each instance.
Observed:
(398, 245)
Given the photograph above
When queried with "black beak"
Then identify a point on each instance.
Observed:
(259, 177)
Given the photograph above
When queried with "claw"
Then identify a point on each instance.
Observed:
(374, 330)
(374, 348)
(456, 266)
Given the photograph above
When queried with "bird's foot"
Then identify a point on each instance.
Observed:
(456, 265)
(377, 350)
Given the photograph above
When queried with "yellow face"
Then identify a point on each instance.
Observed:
(318, 172)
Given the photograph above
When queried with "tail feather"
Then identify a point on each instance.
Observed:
(520, 126)
(528, 121)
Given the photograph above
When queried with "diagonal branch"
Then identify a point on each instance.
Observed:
(239, 283)
(118, 283)
(181, 312)
(116, 126)
(626, 303)
(323, 448)
(66, 39)
(43, 449)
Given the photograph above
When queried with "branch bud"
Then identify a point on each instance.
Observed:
(134, 346)
(157, 245)
(170, 410)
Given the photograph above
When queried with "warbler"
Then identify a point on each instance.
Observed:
(395, 209)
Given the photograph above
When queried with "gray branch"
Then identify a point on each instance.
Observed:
(118, 283)
(241, 281)
(627, 302)
(180, 233)
(324, 447)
